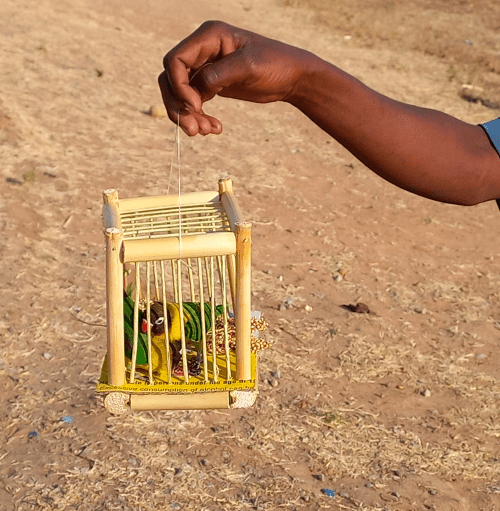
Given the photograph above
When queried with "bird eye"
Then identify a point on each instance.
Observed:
(159, 321)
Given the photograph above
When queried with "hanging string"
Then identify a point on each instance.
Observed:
(178, 138)
(176, 154)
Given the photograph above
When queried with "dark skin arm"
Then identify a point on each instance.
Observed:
(424, 151)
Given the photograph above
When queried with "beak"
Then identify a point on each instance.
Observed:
(144, 326)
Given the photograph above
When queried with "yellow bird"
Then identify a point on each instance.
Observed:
(159, 355)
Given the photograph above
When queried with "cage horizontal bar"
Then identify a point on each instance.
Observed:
(197, 245)
(206, 401)
(139, 203)
(232, 209)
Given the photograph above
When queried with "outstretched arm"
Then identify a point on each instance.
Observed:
(423, 151)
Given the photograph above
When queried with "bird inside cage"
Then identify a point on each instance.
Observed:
(167, 361)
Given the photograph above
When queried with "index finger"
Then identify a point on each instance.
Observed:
(210, 42)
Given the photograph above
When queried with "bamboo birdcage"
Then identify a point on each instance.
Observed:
(192, 249)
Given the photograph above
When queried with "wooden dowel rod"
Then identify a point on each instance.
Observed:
(148, 319)
(183, 333)
(136, 320)
(215, 369)
(157, 282)
(139, 203)
(156, 249)
(222, 274)
(203, 323)
(173, 224)
(200, 401)
(208, 274)
(205, 212)
(174, 282)
(231, 268)
(114, 307)
(243, 301)
(232, 209)
(191, 280)
(165, 322)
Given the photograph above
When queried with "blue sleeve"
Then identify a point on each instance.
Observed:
(492, 129)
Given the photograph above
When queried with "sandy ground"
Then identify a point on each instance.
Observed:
(393, 410)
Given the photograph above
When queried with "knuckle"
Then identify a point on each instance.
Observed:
(167, 59)
(211, 24)
(172, 115)
(162, 78)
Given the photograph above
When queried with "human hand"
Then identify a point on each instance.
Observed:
(219, 59)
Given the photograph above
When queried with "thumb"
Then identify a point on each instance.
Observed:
(216, 76)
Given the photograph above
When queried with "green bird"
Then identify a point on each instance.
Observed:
(158, 345)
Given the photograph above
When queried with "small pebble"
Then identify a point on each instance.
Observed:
(47, 356)
(308, 308)
(344, 495)
(432, 491)
(203, 462)
(395, 494)
(157, 111)
(426, 393)
(368, 485)
(276, 374)
(178, 471)
(319, 477)
(480, 356)
(328, 492)
(175, 506)
(88, 453)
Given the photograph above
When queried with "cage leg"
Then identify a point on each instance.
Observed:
(114, 307)
(243, 301)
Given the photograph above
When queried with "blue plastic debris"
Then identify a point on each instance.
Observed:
(32, 434)
(67, 419)
(328, 492)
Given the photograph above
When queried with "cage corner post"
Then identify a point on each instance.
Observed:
(243, 301)
(225, 185)
(114, 289)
